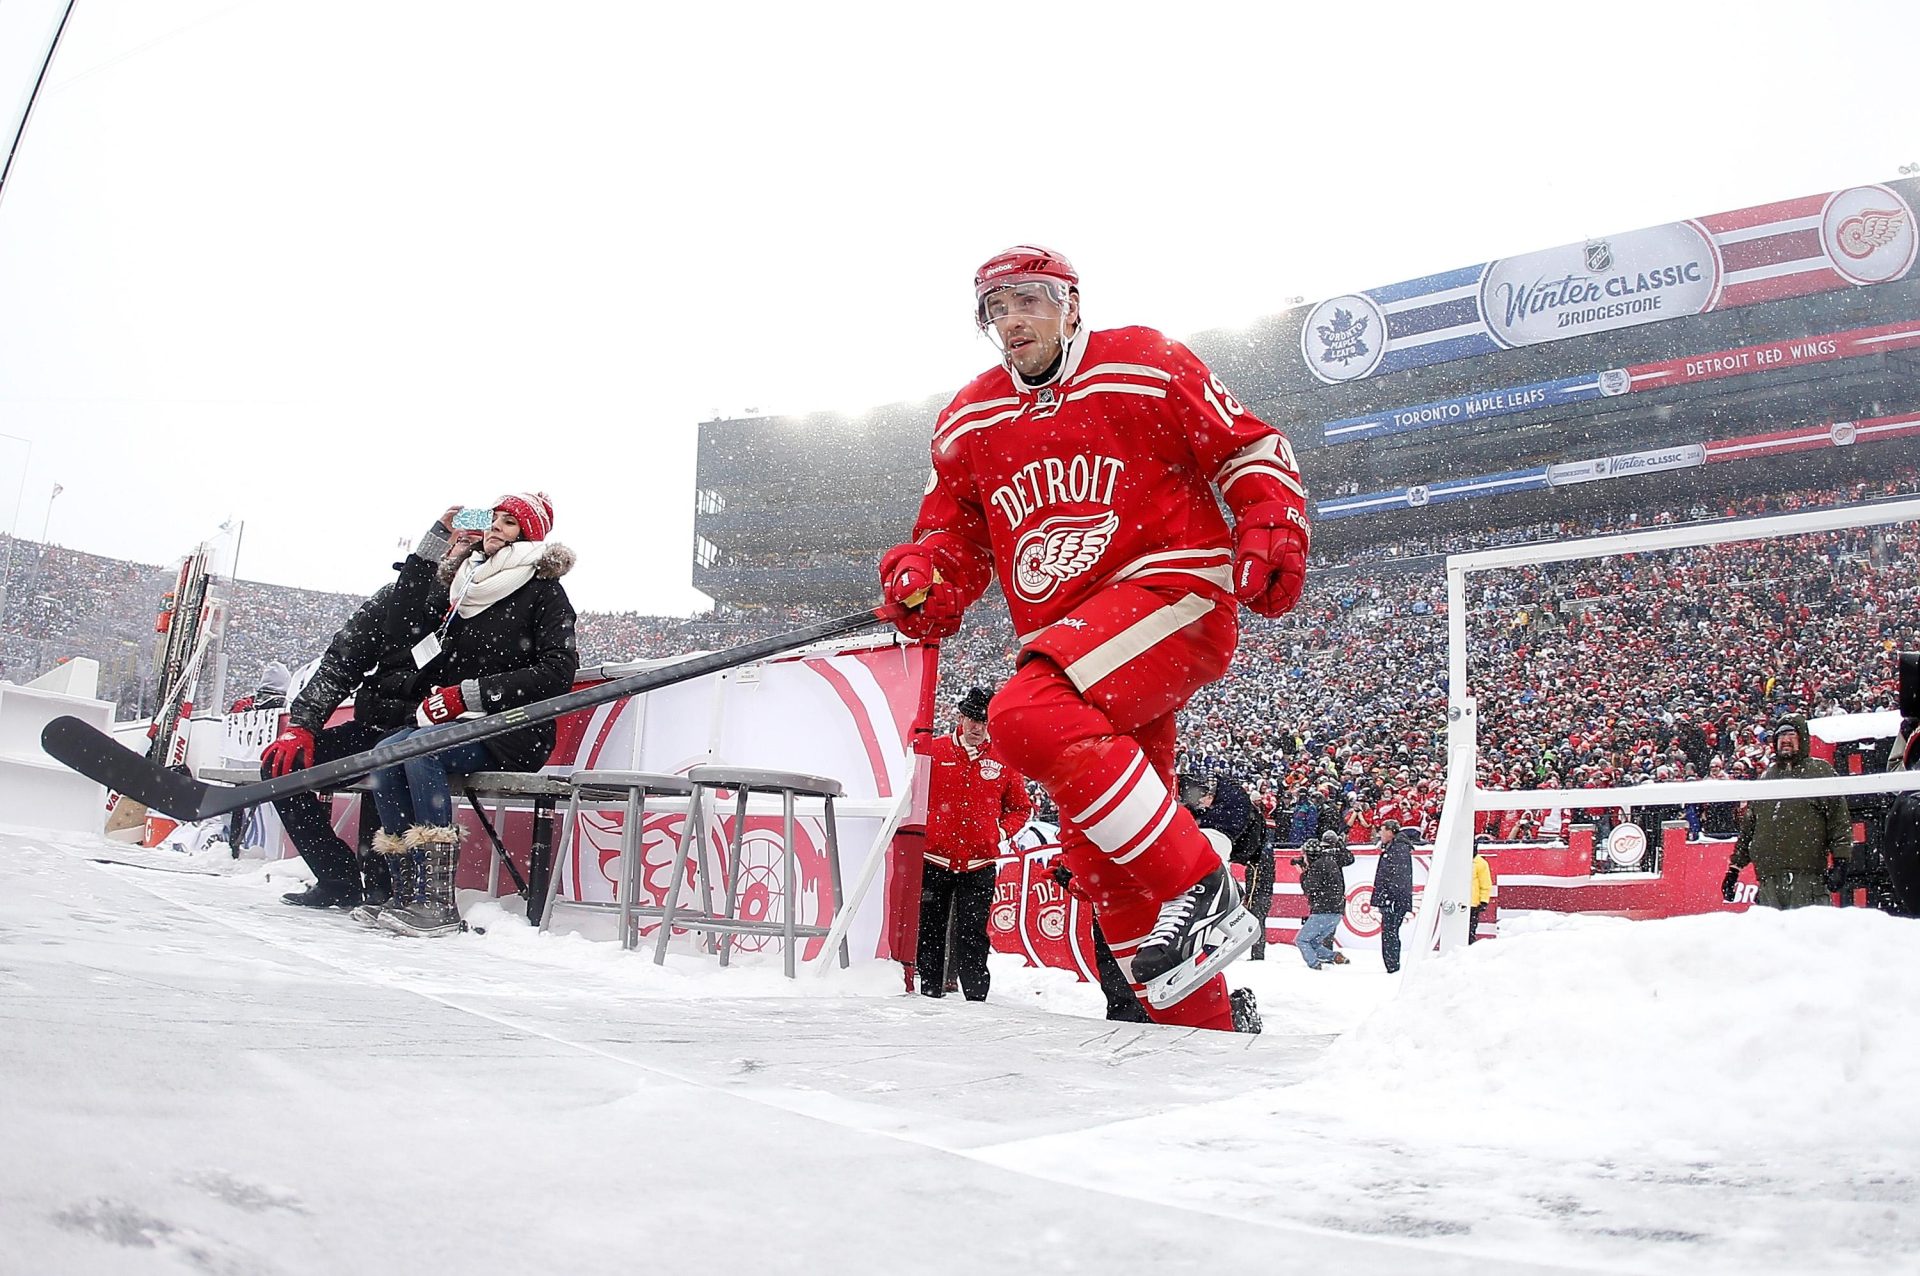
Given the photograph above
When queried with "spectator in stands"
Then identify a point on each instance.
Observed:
(371, 660)
(507, 640)
(1719, 820)
(974, 802)
(270, 694)
(1799, 847)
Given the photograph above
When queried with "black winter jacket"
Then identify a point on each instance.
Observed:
(1393, 877)
(1232, 813)
(1324, 880)
(521, 649)
(371, 658)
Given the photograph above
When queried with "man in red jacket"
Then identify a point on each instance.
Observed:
(973, 802)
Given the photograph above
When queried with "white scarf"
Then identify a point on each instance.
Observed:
(481, 581)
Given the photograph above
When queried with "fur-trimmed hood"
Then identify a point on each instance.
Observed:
(555, 561)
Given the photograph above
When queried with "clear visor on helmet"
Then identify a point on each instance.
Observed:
(1033, 299)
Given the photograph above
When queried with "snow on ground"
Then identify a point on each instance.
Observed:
(195, 1078)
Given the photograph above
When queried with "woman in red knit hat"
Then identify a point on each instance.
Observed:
(507, 640)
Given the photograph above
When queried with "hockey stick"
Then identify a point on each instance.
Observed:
(97, 756)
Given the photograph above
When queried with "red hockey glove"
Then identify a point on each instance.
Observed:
(443, 705)
(1270, 557)
(906, 575)
(291, 750)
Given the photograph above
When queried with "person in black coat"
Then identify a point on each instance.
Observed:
(1323, 880)
(1393, 888)
(369, 659)
(507, 640)
(1226, 808)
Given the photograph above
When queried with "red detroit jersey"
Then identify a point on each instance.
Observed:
(1104, 475)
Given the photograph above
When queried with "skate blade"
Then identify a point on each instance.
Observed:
(1230, 938)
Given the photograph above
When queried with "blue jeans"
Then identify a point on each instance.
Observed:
(1315, 940)
(419, 792)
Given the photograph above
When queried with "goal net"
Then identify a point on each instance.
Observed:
(1638, 671)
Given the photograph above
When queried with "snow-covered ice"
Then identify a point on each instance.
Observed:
(196, 1078)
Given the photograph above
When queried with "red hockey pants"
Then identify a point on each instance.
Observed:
(1089, 715)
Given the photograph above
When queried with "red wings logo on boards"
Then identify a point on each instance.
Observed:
(1361, 919)
(758, 893)
(1059, 550)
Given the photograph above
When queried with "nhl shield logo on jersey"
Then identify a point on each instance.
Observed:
(1059, 550)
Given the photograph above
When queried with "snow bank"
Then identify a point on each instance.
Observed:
(1799, 1027)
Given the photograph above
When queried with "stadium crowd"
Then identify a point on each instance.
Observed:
(1606, 671)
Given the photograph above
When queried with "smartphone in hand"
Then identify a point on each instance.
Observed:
(473, 520)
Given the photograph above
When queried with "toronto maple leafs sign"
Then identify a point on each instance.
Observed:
(1858, 236)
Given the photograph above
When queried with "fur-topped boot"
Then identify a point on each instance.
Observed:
(392, 851)
(435, 854)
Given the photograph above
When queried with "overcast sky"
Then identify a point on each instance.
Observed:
(329, 268)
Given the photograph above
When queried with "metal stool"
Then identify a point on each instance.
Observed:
(745, 781)
(631, 788)
(530, 790)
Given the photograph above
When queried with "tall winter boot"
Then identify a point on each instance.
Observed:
(435, 855)
(393, 854)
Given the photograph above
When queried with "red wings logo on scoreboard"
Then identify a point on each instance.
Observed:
(1868, 229)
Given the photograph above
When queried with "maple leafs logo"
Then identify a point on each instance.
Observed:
(1868, 229)
(1343, 338)
(1058, 550)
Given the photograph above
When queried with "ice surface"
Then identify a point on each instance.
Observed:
(196, 1078)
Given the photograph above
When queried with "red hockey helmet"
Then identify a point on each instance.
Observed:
(1022, 264)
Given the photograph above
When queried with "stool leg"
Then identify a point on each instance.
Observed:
(540, 858)
(551, 889)
(493, 861)
(629, 870)
(731, 871)
(833, 870)
(726, 874)
(691, 836)
(791, 890)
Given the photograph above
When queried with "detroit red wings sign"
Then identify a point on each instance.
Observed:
(1058, 550)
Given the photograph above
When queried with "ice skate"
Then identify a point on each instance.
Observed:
(1199, 932)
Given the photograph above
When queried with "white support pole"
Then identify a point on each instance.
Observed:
(1440, 923)
(876, 856)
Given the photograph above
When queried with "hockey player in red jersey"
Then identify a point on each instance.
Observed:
(1082, 472)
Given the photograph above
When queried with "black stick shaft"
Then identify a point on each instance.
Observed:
(98, 757)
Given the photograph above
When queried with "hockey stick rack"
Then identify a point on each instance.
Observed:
(177, 793)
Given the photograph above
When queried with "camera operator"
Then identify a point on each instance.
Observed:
(1323, 880)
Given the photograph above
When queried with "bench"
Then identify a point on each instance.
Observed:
(502, 790)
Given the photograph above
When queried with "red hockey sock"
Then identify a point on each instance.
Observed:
(1102, 782)
(1206, 1007)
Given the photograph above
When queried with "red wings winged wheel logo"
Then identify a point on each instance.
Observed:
(1058, 550)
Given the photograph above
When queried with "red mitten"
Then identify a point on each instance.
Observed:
(926, 608)
(444, 704)
(1270, 556)
(290, 751)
